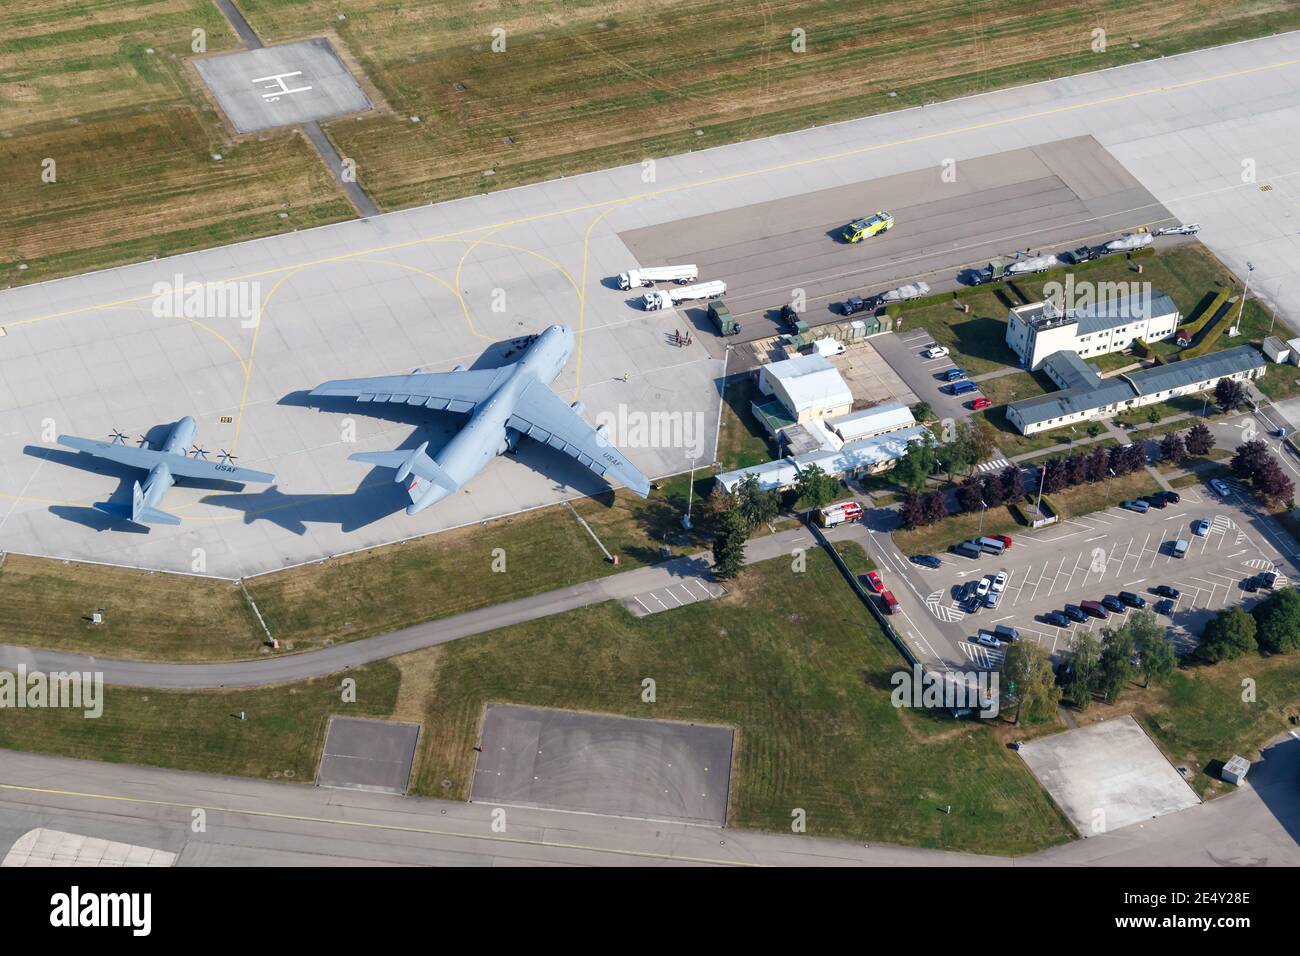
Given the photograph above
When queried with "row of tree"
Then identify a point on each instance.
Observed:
(1095, 668)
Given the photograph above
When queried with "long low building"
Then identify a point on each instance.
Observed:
(867, 456)
(1086, 395)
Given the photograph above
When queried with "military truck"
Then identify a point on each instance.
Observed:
(722, 319)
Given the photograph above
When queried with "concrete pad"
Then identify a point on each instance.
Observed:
(43, 847)
(1107, 776)
(282, 85)
(597, 763)
(365, 754)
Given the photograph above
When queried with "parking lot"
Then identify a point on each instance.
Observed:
(1107, 552)
(923, 375)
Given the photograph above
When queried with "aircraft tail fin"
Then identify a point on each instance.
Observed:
(138, 512)
(415, 462)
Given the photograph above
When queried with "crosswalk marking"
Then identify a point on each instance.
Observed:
(997, 464)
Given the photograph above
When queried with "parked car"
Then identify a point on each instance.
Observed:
(1164, 590)
(1140, 506)
(960, 387)
(1132, 600)
(999, 582)
(1113, 604)
(874, 582)
(1057, 618)
(983, 587)
(1075, 613)
(935, 351)
(1084, 254)
(1267, 579)
(1172, 497)
(1005, 539)
(1093, 609)
(976, 404)
(1155, 501)
(954, 374)
(987, 639)
(1201, 528)
(926, 560)
(992, 598)
(1220, 487)
(1005, 632)
(1165, 607)
(1251, 584)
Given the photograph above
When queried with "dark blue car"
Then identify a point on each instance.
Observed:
(953, 374)
(926, 560)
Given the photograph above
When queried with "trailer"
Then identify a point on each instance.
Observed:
(1129, 242)
(635, 278)
(889, 601)
(1030, 266)
(666, 300)
(913, 290)
(723, 320)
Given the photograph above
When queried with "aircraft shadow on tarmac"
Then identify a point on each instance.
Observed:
(377, 495)
(126, 476)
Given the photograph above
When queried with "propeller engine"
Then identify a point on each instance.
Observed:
(197, 452)
(578, 407)
(226, 458)
(116, 437)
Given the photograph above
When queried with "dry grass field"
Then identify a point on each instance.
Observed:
(105, 90)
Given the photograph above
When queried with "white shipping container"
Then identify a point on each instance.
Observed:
(664, 300)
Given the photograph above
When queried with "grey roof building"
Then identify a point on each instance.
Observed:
(1086, 395)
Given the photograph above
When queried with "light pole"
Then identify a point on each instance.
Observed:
(1042, 479)
(690, 497)
(1236, 329)
(983, 508)
(1111, 472)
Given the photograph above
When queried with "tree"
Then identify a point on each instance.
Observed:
(1095, 429)
(1227, 636)
(1229, 394)
(1172, 448)
(957, 455)
(1153, 416)
(729, 545)
(718, 503)
(1156, 656)
(1098, 465)
(936, 509)
(916, 465)
(968, 495)
(1199, 440)
(1028, 680)
(756, 505)
(922, 412)
(1115, 668)
(1013, 483)
(815, 488)
(991, 488)
(1277, 621)
(1135, 455)
(1250, 457)
(982, 438)
(1084, 663)
(1118, 462)
(1272, 483)
(1076, 469)
(912, 512)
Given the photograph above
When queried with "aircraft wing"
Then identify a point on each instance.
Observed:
(179, 465)
(441, 391)
(545, 417)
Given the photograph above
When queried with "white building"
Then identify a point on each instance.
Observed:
(1085, 395)
(864, 456)
(1114, 323)
(808, 386)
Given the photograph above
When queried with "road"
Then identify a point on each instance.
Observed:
(262, 823)
(340, 657)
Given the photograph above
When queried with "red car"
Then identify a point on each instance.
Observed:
(978, 403)
(1006, 541)
(874, 582)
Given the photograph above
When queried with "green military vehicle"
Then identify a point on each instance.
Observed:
(722, 318)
